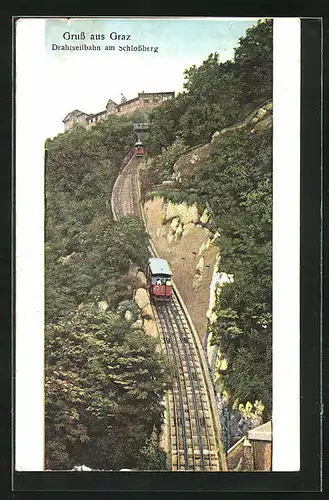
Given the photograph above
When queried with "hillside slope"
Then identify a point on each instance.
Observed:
(189, 249)
(215, 216)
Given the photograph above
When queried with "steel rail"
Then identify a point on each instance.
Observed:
(208, 382)
(189, 356)
(196, 363)
(191, 384)
(171, 407)
(183, 375)
(173, 360)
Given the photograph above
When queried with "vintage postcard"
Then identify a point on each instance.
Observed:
(150, 155)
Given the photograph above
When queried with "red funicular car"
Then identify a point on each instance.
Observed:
(158, 274)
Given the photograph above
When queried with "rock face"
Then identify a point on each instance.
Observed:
(214, 135)
(141, 298)
(262, 125)
(191, 161)
(141, 278)
(66, 259)
(146, 317)
(179, 213)
(138, 325)
(147, 312)
(128, 316)
(150, 327)
(133, 269)
(199, 269)
(188, 246)
(181, 235)
(103, 305)
(205, 216)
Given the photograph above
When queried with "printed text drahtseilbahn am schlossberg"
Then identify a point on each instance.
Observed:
(67, 36)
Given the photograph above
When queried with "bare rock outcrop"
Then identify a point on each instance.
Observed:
(180, 235)
(128, 316)
(103, 305)
(262, 125)
(67, 259)
(133, 269)
(141, 278)
(137, 325)
(146, 319)
(141, 298)
(191, 161)
(150, 327)
(147, 311)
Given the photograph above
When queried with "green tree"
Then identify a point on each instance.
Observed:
(162, 165)
(104, 381)
(217, 95)
(155, 458)
(254, 62)
(164, 123)
(108, 380)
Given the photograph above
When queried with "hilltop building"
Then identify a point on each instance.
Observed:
(143, 101)
(75, 117)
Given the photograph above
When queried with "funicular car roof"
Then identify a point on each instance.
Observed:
(159, 266)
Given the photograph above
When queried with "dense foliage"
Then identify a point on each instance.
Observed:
(217, 95)
(103, 389)
(162, 165)
(104, 381)
(235, 183)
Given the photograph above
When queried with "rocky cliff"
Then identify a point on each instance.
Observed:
(178, 232)
(181, 233)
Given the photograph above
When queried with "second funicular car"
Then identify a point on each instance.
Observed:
(139, 149)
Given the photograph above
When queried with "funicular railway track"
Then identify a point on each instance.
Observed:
(193, 437)
(125, 193)
(194, 429)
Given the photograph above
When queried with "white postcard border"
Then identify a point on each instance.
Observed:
(31, 106)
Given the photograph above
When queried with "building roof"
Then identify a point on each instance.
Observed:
(156, 93)
(99, 113)
(129, 101)
(110, 101)
(124, 103)
(261, 433)
(159, 266)
(76, 112)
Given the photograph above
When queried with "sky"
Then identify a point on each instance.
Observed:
(85, 80)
